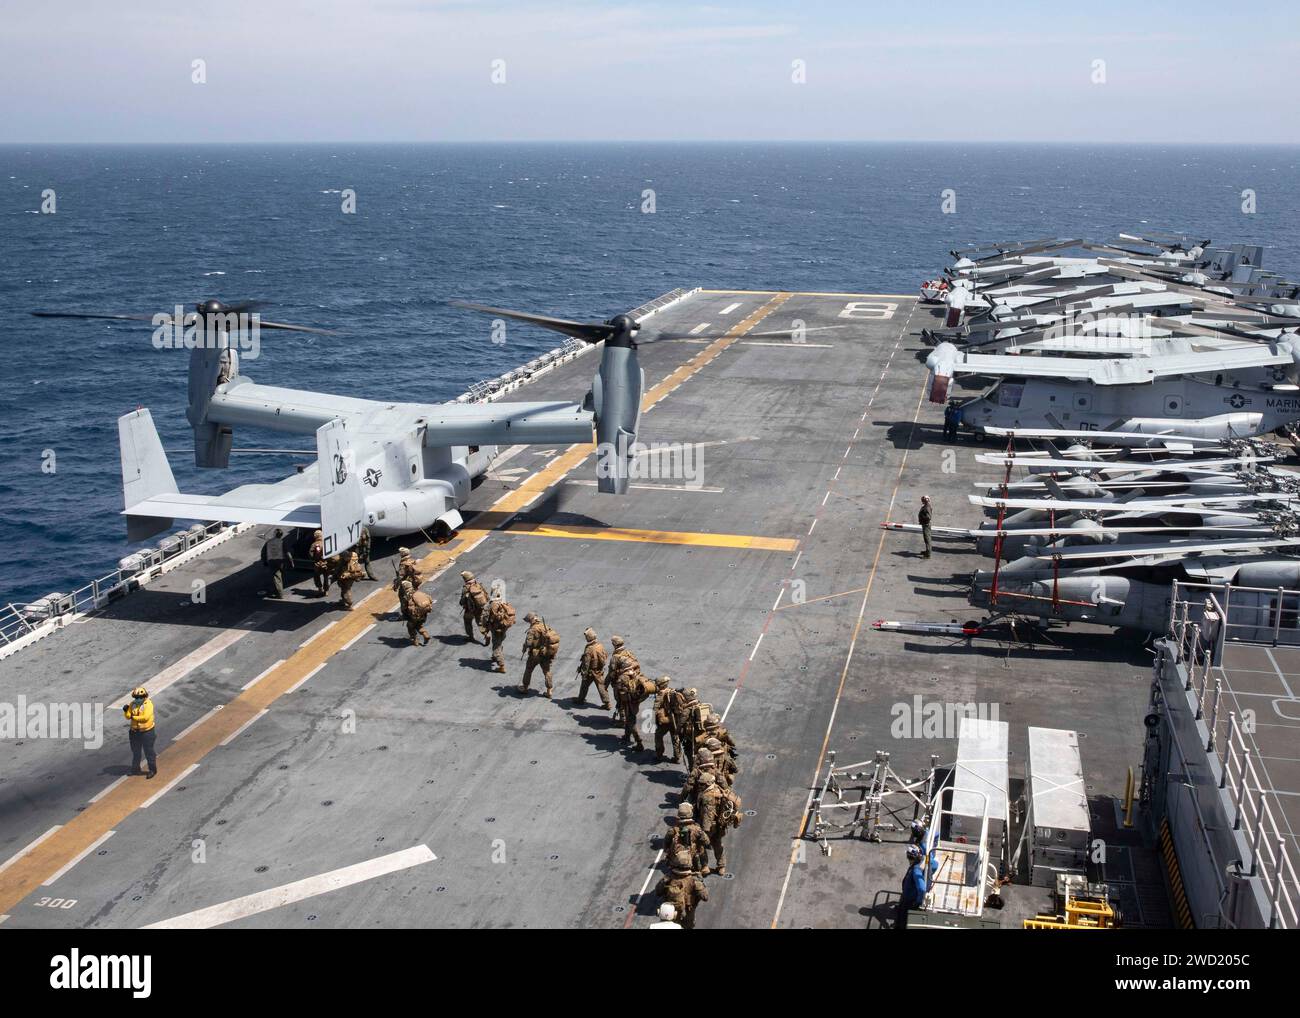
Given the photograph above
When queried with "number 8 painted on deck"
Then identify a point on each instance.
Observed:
(880, 310)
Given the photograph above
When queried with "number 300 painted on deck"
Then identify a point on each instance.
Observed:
(869, 309)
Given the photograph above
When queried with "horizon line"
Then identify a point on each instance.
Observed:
(669, 141)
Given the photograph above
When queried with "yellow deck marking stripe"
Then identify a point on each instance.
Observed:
(66, 843)
(703, 540)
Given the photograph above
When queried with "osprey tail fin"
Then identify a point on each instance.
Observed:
(145, 472)
(342, 505)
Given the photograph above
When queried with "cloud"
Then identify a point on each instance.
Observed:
(335, 70)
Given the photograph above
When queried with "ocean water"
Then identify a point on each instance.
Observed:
(555, 228)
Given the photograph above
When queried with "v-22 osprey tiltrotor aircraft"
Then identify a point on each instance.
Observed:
(397, 468)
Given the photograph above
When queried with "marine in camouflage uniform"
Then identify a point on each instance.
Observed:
(349, 572)
(666, 719)
(415, 605)
(363, 553)
(621, 660)
(684, 889)
(685, 707)
(717, 816)
(407, 569)
(591, 669)
(715, 729)
(496, 615)
(724, 765)
(320, 564)
(473, 600)
(629, 689)
(691, 789)
(538, 651)
(687, 836)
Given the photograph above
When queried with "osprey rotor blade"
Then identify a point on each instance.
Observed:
(588, 332)
(261, 324)
(202, 308)
(93, 314)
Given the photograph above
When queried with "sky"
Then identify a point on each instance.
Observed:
(567, 70)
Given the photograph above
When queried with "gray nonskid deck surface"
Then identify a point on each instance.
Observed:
(536, 817)
(1264, 681)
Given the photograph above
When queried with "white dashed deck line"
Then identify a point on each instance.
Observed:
(73, 862)
(699, 328)
(111, 785)
(176, 671)
(254, 681)
(359, 635)
(169, 786)
(730, 700)
(240, 730)
(853, 643)
(654, 868)
(29, 849)
(328, 626)
(305, 678)
(730, 308)
(299, 890)
(184, 732)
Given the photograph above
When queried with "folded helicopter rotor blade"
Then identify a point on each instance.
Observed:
(1158, 239)
(589, 332)
(1115, 249)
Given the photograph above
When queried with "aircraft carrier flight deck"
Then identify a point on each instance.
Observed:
(301, 744)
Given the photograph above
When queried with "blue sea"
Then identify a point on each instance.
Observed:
(556, 228)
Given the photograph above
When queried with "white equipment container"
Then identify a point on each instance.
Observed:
(979, 781)
(1058, 806)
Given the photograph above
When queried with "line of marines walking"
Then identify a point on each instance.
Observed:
(708, 806)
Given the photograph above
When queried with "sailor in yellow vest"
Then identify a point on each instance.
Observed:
(139, 712)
